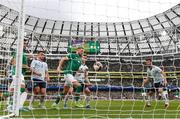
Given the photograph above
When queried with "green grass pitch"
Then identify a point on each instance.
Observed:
(103, 109)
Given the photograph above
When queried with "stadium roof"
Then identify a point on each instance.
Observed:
(156, 34)
(92, 10)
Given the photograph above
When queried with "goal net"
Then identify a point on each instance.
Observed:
(5, 66)
(116, 90)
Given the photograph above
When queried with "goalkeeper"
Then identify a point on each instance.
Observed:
(159, 80)
(82, 77)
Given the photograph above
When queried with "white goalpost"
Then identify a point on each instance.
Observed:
(18, 72)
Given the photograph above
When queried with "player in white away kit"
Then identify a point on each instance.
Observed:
(82, 77)
(39, 78)
(159, 81)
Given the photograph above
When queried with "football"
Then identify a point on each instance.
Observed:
(83, 68)
(97, 66)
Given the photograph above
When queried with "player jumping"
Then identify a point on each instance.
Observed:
(73, 61)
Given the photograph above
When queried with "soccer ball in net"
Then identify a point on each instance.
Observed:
(97, 66)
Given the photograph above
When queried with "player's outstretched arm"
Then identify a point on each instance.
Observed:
(61, 63)
(25, 66)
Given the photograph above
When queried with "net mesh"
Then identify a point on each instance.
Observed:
(116, 90)
(5, 69)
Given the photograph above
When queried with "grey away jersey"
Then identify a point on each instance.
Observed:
(155, 73)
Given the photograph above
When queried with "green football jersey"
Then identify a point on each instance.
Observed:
(73, 64)
(24, 62)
